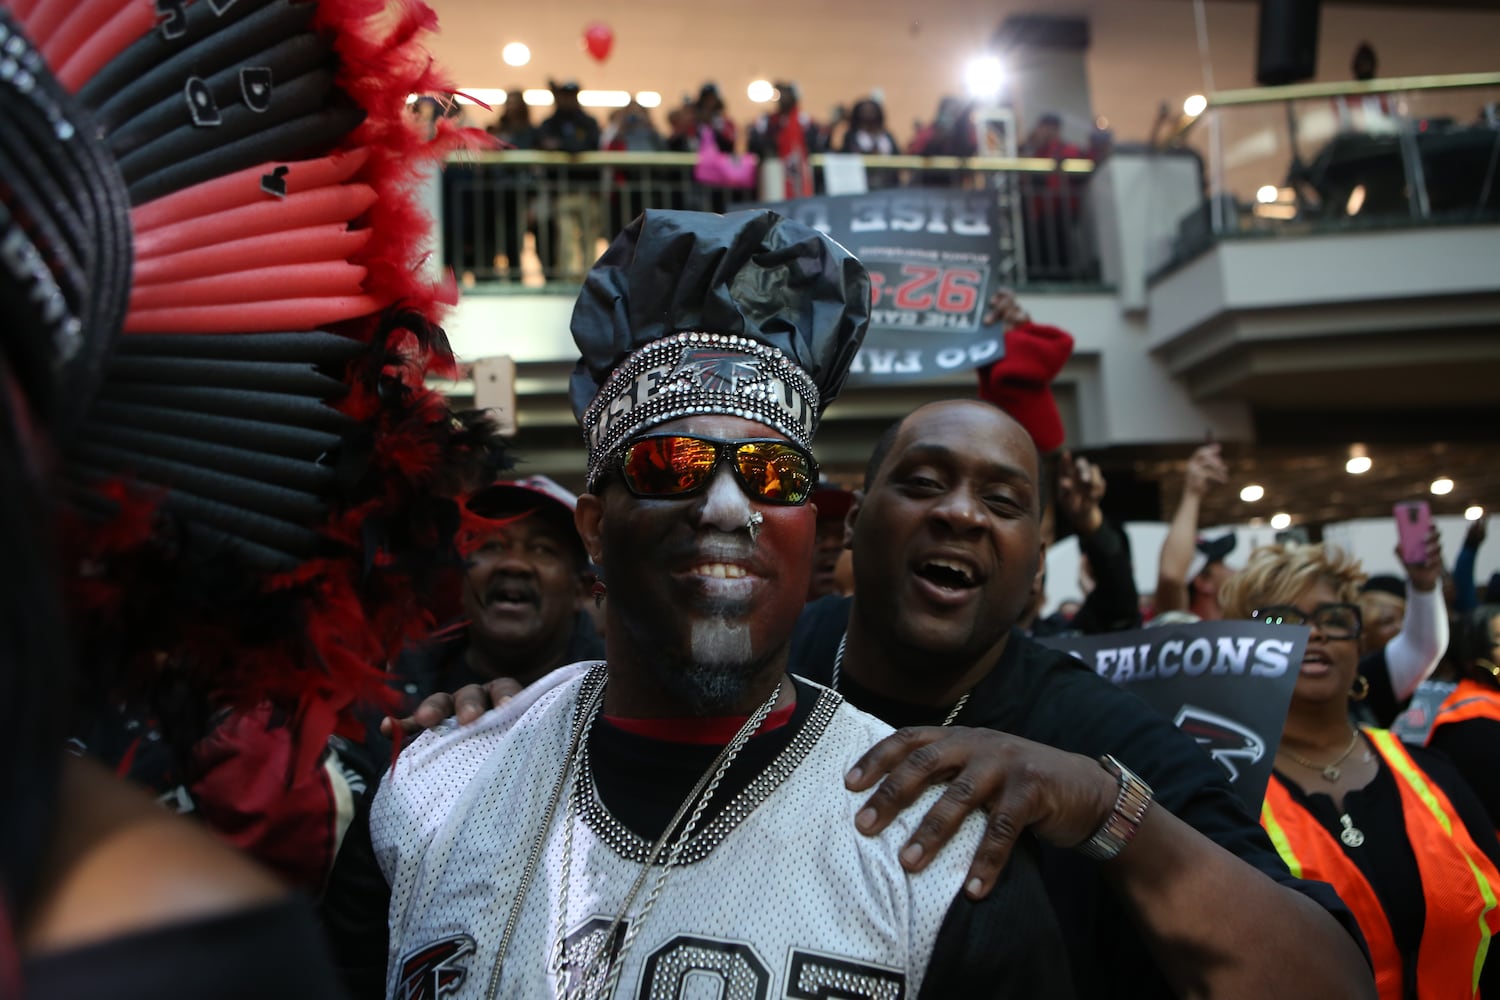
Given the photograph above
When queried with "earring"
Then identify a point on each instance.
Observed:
(597, 592)
(753, 525)
(1361, 689)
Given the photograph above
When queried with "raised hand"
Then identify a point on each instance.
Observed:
(1005, 309)
(1080, 488)
(1426, 574)
(1205, 470)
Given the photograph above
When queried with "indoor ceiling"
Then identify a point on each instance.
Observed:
(1310, 482)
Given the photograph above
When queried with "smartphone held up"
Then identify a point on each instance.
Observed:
(1413, 523)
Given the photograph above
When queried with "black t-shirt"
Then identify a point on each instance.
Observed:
(1473, 746)
(1051, 698)
(1007, 945)
(268, 951)
(1386, 859)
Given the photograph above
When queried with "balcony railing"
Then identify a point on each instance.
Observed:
(1340, 156)
(523, 219)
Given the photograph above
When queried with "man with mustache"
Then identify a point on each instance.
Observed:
(675, 816)
(524, 588)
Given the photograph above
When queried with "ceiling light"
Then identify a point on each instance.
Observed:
(984, 77)
(1441, 486)
(516, 54)
(760, 91)
(537, 98)
(1252, 493)
(648, 99)
(1358, 465)
(1473, 513)
(1195, 105)
(1267, 194)
(1281, 522)
(603, 98)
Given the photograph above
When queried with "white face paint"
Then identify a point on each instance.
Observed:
(720, 641)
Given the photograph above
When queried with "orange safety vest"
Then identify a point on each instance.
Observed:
(1470, 700)
(1460, 884)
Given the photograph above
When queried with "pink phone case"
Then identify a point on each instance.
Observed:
(1413, 521)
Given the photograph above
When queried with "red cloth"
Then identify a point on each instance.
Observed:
(791, 146)
(1020, 383)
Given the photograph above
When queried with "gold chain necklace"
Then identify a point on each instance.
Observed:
(838, 662)
(1331, 769)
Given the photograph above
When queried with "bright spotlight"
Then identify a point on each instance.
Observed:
(1358, 465)
(1281, 522)
(984, 76)
(648, 98)
(1252, 493)
(516, 54)
(1195, 105)
(1473, 513)
(1441, 486)
(760, 91)
(1267, 194)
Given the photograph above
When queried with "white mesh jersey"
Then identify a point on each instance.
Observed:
(779, 896)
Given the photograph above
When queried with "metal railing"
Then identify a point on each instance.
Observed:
(1403, 151)
(523, 219)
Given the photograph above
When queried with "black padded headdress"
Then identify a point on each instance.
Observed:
(750, 314)
(215, 313)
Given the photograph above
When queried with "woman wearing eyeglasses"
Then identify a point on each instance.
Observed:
(1466, 728)
(1395, 830)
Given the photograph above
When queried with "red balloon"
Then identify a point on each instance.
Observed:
(598, 39)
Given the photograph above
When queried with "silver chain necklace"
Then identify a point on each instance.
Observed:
(702, 794)
(838, 663)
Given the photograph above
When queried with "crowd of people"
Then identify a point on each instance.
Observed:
(710, 723)
(490, 209)
(861, 127)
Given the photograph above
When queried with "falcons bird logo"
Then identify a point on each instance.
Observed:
(432, 971)
(1222, 738)
(718, 371)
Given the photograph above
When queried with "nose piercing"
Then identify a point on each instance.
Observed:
(753, 525)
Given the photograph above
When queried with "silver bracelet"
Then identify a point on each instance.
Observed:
(1125, 819)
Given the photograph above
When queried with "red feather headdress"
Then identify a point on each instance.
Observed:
(259, 480)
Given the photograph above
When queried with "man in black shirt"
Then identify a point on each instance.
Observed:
(946, 550)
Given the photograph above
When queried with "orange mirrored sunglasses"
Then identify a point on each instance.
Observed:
(771, 470)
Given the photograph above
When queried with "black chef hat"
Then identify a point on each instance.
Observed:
(749, 314)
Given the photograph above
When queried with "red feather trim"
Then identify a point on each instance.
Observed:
(343, 249)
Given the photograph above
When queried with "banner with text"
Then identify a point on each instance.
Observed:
(934, 257)
(1226, 684)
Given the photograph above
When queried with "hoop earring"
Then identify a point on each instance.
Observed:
(1361, 689)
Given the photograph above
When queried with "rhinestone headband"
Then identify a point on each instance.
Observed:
(690, 373)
